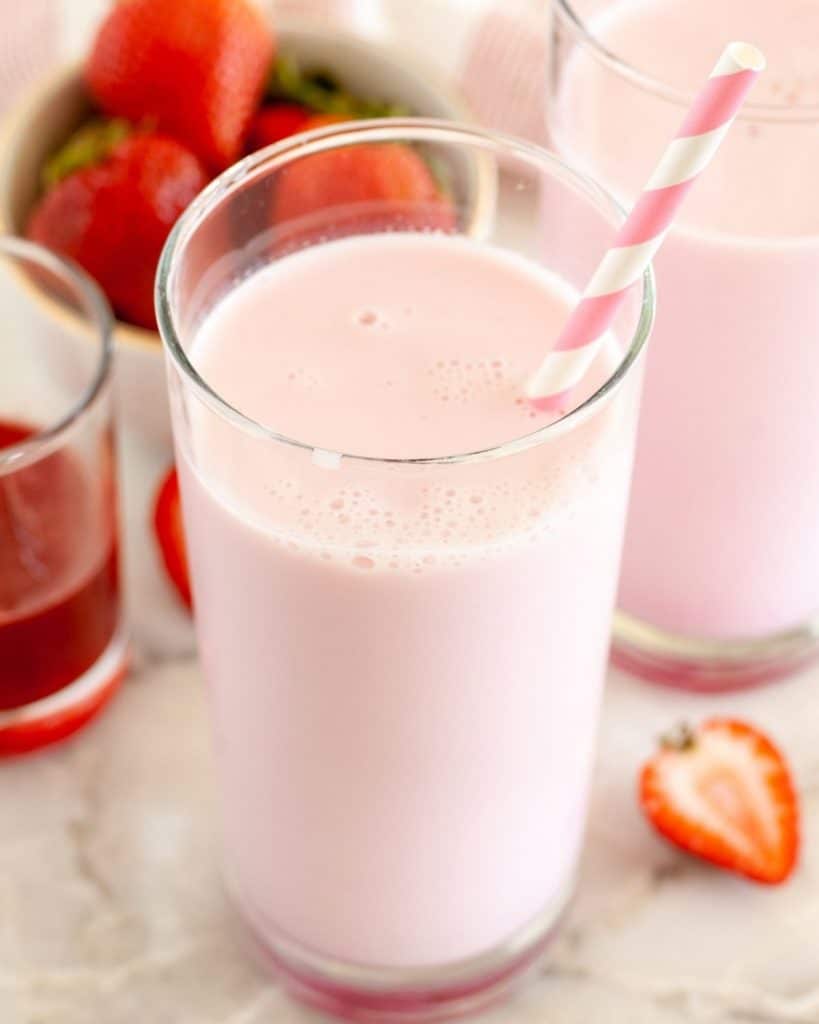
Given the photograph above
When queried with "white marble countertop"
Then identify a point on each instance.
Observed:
(111, 909)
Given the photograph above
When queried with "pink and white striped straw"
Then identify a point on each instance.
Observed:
(642, 233)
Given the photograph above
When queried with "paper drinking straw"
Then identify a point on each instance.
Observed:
(642, 233)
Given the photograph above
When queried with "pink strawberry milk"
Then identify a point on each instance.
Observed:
(403, 611)
(430, 740)
(723, 543)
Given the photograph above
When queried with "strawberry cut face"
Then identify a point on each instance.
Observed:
(724, 793)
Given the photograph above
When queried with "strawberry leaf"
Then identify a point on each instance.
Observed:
(320, 91)
(89, 145)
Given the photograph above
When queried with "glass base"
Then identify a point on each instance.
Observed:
(61, 714)
(709, 665)
(371, 995)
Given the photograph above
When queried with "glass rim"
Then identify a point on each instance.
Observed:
(750, 111)
(383, 130)
(96, 310)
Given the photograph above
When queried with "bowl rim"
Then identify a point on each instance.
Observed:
(14, 125)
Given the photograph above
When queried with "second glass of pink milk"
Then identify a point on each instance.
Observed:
(403, 576)
(720, 584)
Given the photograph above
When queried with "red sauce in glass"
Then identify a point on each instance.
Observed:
(59, 599)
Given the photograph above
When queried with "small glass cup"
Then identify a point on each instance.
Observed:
(404, 735)
(720, 578)
(62, 645)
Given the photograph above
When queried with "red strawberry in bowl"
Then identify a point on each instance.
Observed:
(113, 209)
(322, 120)
(724, 793)
(275, 122)
(359, 188)
(197, 68)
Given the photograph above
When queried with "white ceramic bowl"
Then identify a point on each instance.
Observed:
(55, 107)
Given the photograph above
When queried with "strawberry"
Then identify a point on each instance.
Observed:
(368, 187)
(170, 536)
(275, 122)
(196, 67)
(322, 120)
(113, 215)
(724, 793)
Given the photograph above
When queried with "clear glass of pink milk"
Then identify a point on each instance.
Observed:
(403, 577)
(720, 583)
(63, 644)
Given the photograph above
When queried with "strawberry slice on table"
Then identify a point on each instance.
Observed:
(372, 186)
(197, 68)
(724, 793)
(112, 201)
(171, 537)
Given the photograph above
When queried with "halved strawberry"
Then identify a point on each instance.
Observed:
(170, 535)
(196, 67)
(724, 793)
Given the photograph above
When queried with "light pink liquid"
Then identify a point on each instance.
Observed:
(723, 536)
(405, 661)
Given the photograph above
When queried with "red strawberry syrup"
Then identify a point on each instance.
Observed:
(59, 591)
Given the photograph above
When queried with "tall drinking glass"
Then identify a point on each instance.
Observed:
(720, 584)
(403, 577)
(62, 646)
